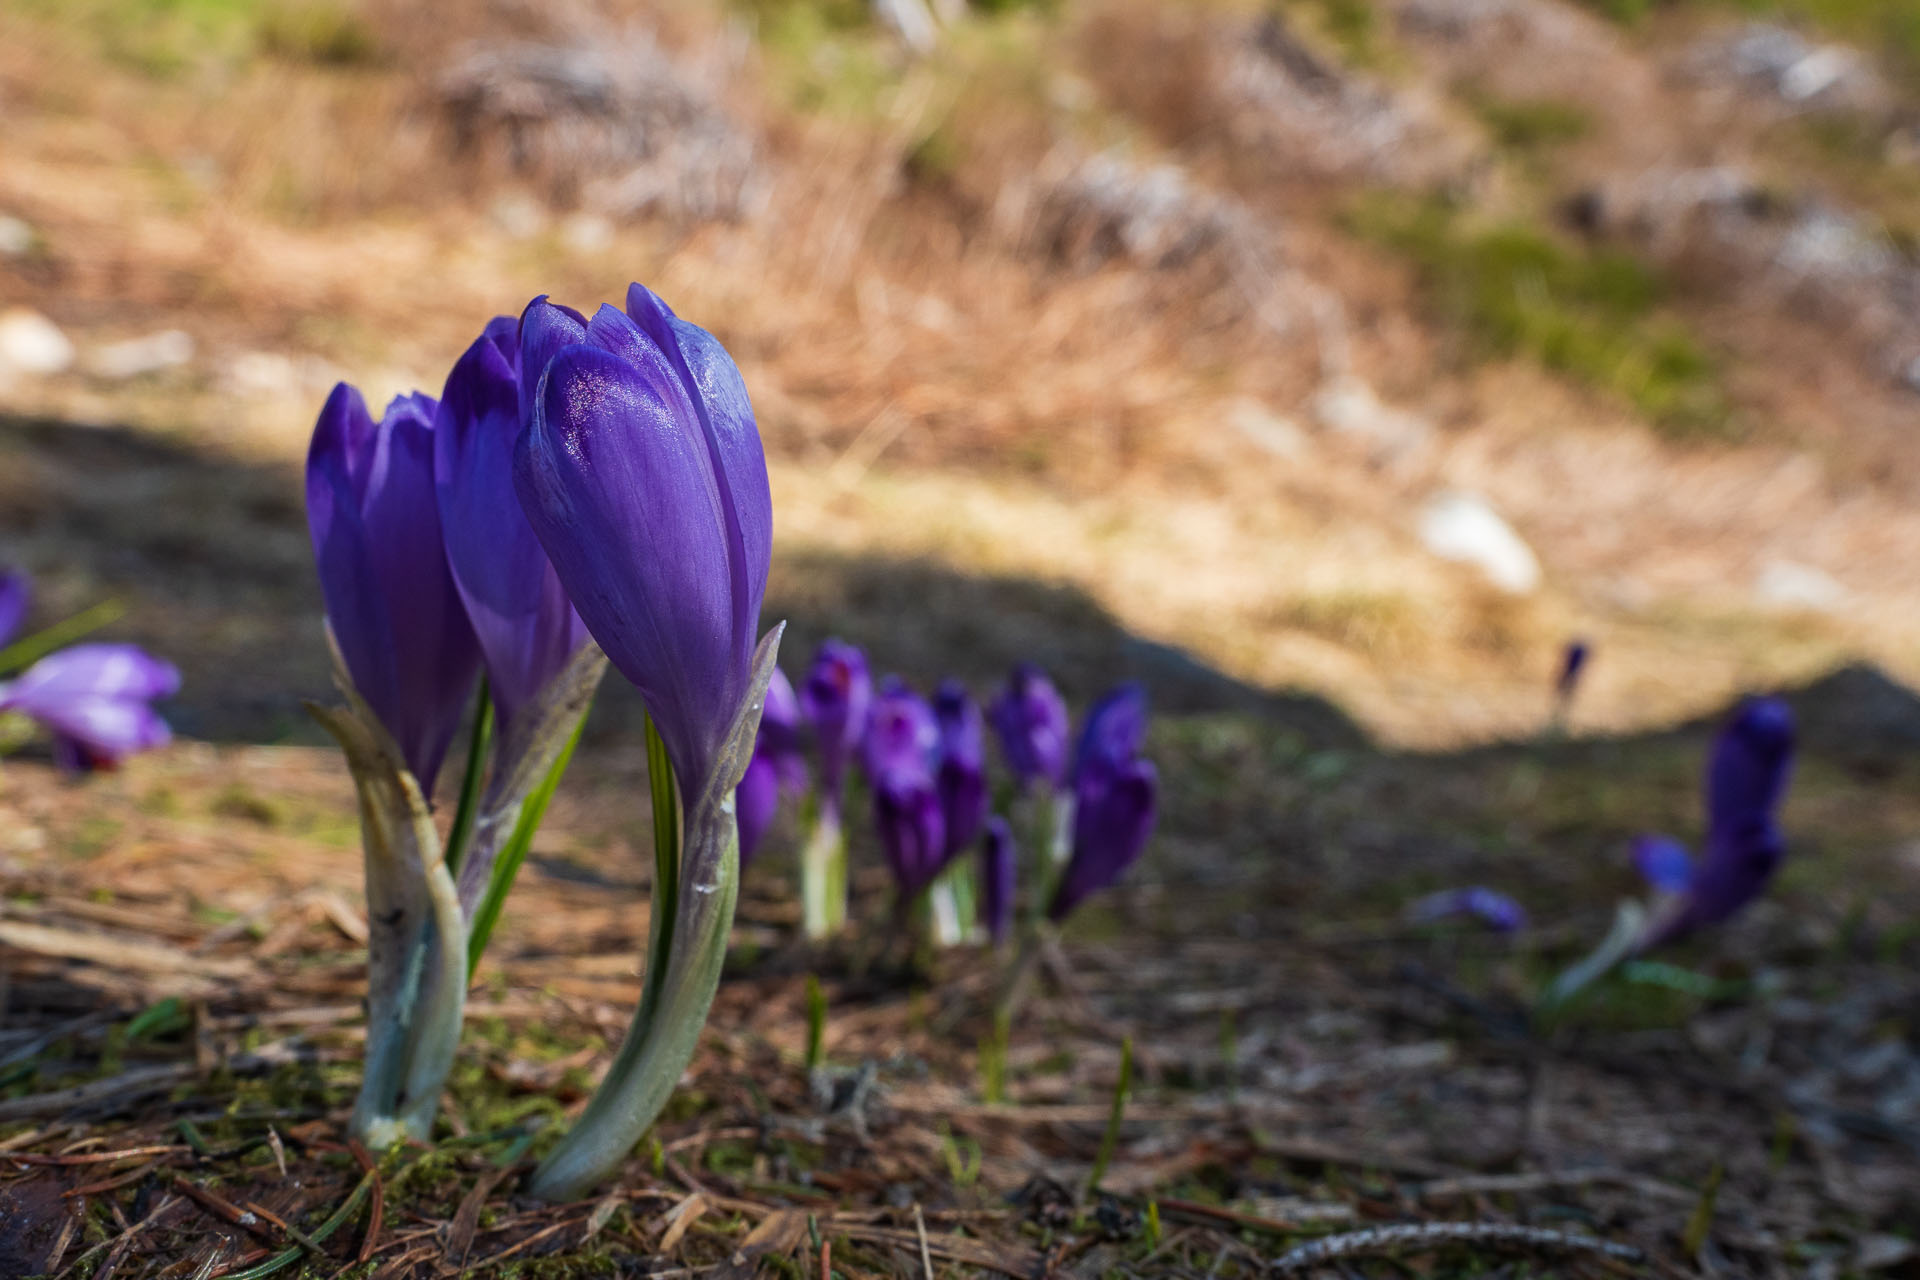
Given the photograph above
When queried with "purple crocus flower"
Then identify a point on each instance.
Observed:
(902, 734)
(16, 592)
(962, 775)
(1495, 910)
(836, 697)
(1030, 718)
(1747, 774)
(94, 699)
(391, 600)
(642, 474)
(1663, 862)
(777, 765)
(1572, 663)
(906, 813)
(527, 628)
(1115, 798)
(999, 860)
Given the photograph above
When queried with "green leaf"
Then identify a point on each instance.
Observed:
(470, 783)
(487, 914)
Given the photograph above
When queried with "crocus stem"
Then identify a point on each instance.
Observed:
(1629, 926)
(950, 904)
(1018, 976)
(1047, 848)
(470, 780)
(823, 875)
(409, 1057)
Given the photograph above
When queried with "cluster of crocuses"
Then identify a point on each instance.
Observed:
(93, 700)
(1087, 813)
(583, 491)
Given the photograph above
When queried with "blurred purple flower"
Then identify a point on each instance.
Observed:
(16, 592)
(390, 598)
(999, 860)
(906, 812)
(777, 765)
(902, 734)
(962, 775)
(836, 698)
(1663, 863)
(527, 628)
(1115, 731)
(1030, 718)
(1747, 774)
(641, 471)
(1571, 665)
(1495, 910)
(93, 699)
(1115, 798)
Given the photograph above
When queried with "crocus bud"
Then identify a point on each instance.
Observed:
(1572, 663)
(93, 699)
(836, 699)
(1031, 719)
(1495, 910)
(1115, 797)
(16, 592)
(999, 860)
(526, 626)
(755, 801)
(902, 734)
(391, 601)
(641, 472)
(906, 812)
(1115, 731)
(1747, 774)
(962, 775)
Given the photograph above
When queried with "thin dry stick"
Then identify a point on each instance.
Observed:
(926, 1254)
(1421, 1237)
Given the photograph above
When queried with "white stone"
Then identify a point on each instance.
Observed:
(135, 357)
(1461, 527)
(31, 343)
(1790, 586)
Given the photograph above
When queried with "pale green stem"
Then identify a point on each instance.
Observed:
(823, 875)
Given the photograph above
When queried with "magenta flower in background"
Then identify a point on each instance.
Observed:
(961, 778)
(391, 600)
(1115, 799)
(912, 831)
(836, 698)
(16, 593)
(94, 699)
(1495, 910)
(999, 863)
(526, 626)
(902, 734)
(1747, 773)
(641, 472)
(1030, 718)
(777, 765)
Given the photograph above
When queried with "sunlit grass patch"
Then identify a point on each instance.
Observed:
(1593, 315)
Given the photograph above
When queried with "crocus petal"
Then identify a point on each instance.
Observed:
(16, 592)
(962, 777)
(1030, 718)
(545, 329)
(999, 860)
(526, 626)
(1113, 816)
(1494, 909)
(1114, 732)
(912, 833)
(93, 698)
(1663, 863)
(1747, 771)
(756, 800)
(623, 497)
(836, 699)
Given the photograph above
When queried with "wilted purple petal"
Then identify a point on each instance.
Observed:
(999, 860)
(906, 813)
(93, 698)
(618, 482)
(836, 698)
(527, 628)
(756, 800)
(16, 592)
(1115, 730)
(1495, 910)
(1030, 718)
(1663, 863)
(902, 735)
(391, 600)
(1113, 815)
